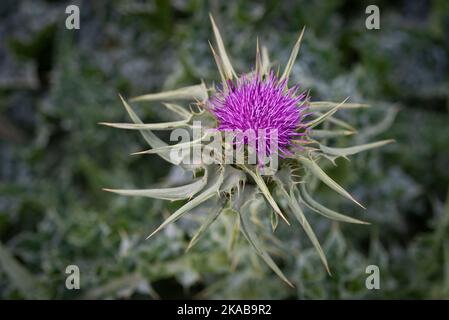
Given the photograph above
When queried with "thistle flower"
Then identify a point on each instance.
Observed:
(256, 100)
(254, 103)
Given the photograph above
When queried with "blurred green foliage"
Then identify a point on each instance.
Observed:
(57, 84)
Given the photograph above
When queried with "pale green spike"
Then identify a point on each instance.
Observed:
(258, 59)
(213, 215)
(292, 59)
(149, 136)
(323, 134)
(264, 189)
(219, 64)
(344, 152)
(299, 214)
(339, 122)
(274, 219)
(328, 105)
(326, 212)
(187, 144)
(175, 193)
(210, 192)
(265, 61)
(196, 92)
(178, 109)
(369, 131)
(252, 238)
(149, 126)
(227, 66)
(248, 194)
(281, 178)
(320, 174)
(234, 231)
(233, 178)
(326, 115)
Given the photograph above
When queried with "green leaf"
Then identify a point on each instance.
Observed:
(328, 105)
(211, 189)
(344, 152)
(20, 277)
(250, 235)
(126, 284)
(173, 194)
(326, 115)
(326, 212)
(227, 66)
(264, 189)
(292, 59)
(320, 174)
(196, 92)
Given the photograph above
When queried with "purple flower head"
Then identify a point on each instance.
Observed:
(263, 106)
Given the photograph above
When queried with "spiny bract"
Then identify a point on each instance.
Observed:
(256, 99)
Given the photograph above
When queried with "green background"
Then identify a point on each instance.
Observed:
(57, 84)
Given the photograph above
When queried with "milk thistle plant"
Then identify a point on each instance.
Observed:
(265, 120)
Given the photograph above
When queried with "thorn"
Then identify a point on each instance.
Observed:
(189, 246)
(328, 270)
(152, 234)
(363, 207)
(141, 152)
(282, 216)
